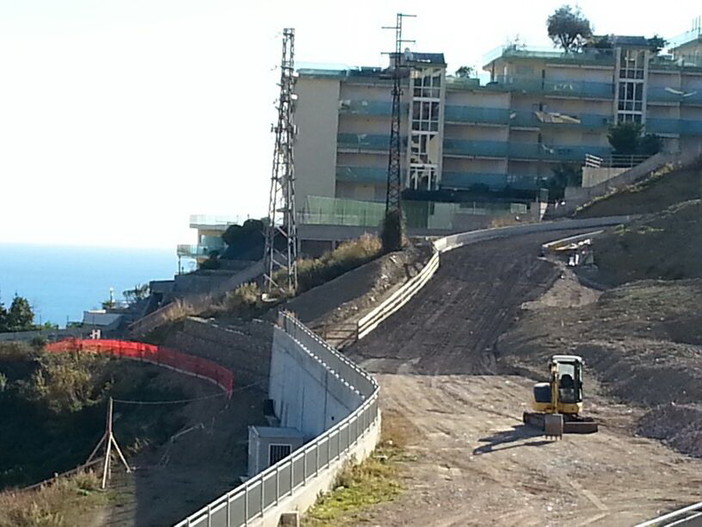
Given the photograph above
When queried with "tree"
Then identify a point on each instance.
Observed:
(392, 232)
(568, 28)
(19, 317)
(564, 175)
(140, 292)
(465, 72)
(656, 44)
(624, 137)
(627, 139)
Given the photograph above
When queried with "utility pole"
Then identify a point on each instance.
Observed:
(393, 203)
(281, 231)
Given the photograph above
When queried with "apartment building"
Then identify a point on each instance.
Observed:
(539, 109)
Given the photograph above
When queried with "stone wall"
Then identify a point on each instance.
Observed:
(244, 348)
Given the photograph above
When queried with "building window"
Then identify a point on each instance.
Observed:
(632, 63)
(278, 452)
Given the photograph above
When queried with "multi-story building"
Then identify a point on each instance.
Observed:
(538, 110)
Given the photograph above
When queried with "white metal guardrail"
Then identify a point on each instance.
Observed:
(249, 501)
(398, 299)
(679, 517)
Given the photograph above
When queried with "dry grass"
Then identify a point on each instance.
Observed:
(68, 502)
(375, 480)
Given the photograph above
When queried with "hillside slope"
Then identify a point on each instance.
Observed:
(658, 192)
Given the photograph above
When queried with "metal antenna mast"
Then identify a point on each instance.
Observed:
(281, 232)
(394, 184)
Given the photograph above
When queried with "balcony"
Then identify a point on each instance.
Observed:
(468, 180)
(529, 119)
(195, 251)
(382, 108)
(553, 88)
(494, 181)
(599, 57)
(365, 142)
(357, 174)
(673, 126)
(214, 222)
(674, 95)
(560, 153)
(466, 114)
(458, 147)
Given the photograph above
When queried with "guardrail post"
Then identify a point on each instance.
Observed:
(229, 509)
(277, 483)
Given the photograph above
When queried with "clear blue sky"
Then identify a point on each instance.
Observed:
(120, 118)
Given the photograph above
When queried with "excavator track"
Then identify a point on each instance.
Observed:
(572, 424)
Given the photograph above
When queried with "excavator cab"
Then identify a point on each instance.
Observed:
(557, 404)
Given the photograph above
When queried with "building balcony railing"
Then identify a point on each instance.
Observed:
(674, 95)
(555, 88)
(458, 147)
(586, 56)
(364, 107)
(494, 181)
(560, 153)
(195, 251)
(673, 126)
(215, 222)
(467, 114)
(358, 174)
(365, 142)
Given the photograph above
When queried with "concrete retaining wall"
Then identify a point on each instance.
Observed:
(307, 395)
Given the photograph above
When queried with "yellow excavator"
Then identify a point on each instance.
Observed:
(557, 404)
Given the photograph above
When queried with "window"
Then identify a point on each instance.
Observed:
(278, 452)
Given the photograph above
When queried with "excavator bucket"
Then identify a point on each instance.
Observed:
(553, 426)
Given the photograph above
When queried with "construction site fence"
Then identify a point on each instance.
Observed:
(159, 355)
(249, 502)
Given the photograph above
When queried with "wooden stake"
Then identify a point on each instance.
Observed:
(108, 439)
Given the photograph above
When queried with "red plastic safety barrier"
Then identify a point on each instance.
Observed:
(169, 358)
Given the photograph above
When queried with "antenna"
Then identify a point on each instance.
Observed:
(281, 231)
(393, 203)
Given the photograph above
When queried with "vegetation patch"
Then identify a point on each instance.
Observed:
(375, 480)
(54, 409)
(65, 503)
(246, 302)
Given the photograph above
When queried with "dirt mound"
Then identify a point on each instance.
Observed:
(662, 246)
(677, 426)
(661, 190)
(641, 342)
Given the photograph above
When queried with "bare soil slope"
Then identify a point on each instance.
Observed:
(666, 245)
(665, 188)
(476, 464)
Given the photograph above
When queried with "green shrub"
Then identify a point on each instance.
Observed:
(392, 233)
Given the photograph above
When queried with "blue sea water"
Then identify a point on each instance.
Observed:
(61, 282)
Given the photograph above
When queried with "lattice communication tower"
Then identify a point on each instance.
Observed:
(393, 202)
(281, 232)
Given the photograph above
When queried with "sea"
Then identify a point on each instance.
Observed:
(61, 282)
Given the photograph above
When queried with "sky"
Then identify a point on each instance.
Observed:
(121, 118)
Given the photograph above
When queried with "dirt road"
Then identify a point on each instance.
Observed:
(475, 464)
